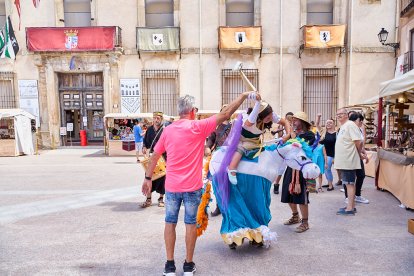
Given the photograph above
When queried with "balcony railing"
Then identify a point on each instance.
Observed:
(408, 61)
(73, 39)
(406, 6)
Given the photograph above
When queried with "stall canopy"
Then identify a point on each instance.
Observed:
(401, 84)
(22, 129)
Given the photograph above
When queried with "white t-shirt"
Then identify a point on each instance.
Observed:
(346, 153)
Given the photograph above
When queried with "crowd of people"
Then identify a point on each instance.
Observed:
(185, 142)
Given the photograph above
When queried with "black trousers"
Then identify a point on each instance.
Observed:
(360, 176)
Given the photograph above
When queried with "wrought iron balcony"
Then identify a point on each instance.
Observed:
(73, 39)
(406, 7)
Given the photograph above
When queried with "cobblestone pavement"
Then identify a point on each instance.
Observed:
(75, 212)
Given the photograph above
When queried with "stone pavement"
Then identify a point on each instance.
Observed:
(75, 212)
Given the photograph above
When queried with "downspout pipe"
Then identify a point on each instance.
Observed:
(200, 52)
(281, 60)
(351, 20)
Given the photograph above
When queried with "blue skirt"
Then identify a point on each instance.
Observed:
(248, 211)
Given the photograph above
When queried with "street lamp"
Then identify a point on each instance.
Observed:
(382, 37)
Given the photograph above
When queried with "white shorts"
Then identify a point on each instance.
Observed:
(138, 146)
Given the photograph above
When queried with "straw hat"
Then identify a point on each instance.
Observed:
(302, 116)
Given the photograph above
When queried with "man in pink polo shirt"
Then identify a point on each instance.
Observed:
(183, 141)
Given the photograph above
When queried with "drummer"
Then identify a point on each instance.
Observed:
(152, 135)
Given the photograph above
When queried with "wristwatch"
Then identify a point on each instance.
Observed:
(148, 178)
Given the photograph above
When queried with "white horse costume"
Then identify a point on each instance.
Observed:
(246, 211)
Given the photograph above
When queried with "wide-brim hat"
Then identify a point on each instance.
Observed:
(302, 116)
(158, 113)
(263, 106)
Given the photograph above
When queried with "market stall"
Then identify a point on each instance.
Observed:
(395, 171)
(16, 136)
(119, 135)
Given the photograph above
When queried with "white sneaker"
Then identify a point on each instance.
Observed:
(361, 199)
(342, 190)
(346, 200)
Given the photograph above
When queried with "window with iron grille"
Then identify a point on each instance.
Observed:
(7, 96)
(77, 13)
(232, 85)
(319, 12)
(239, 13)
(320, 93)
(160, 91)
(159, 13)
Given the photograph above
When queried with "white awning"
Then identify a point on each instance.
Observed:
(401, 84)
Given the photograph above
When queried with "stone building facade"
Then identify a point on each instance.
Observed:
(289, 75)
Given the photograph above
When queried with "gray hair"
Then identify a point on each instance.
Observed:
(185, 104)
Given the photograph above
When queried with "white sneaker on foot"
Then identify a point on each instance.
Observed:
(361, 199)
(342, 190)
(346, 200)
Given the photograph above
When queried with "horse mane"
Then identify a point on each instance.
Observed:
(305, 146)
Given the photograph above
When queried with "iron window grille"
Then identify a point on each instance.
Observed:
(320, 93)
(233, 85)
(160, 91)
(7, 95)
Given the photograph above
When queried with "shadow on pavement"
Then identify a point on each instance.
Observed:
(127, 206)
(99, 153)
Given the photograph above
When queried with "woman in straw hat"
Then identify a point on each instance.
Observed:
(301, 129)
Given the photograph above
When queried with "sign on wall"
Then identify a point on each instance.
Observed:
(130, 96)
(29, 98)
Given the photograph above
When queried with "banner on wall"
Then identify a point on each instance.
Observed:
(234, 38)
(158, 39)
(29, 98)
(44, 39)
(130, 96)
(324, 36)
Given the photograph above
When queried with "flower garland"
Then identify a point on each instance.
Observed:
(202, 213)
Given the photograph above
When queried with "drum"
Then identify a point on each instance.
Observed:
(160, 169)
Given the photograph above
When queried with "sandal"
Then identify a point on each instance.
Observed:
(303, 226)
(293, 220)
(146, 203)
(330, 189)
(161, 202)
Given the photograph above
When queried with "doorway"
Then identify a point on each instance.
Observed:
(82, 106)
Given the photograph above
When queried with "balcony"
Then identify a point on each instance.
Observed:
(73, 39)
(406, 7)
(241, 37)
(408, 64)
(162, 39)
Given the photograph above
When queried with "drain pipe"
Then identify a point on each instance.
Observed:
(281, 62)
(200, 54)
(351, 19)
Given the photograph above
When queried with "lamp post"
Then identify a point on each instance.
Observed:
(382, 37)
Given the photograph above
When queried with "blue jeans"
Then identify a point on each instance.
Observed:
(328, 172)
(173, 203)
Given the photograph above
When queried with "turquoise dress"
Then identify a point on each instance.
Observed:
(318, 158)
(248, 211)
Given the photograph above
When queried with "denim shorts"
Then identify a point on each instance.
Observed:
(173, 202)
(348, 176)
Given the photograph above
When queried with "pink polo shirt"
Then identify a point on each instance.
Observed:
(183, 141)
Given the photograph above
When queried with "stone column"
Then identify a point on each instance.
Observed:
(52, 105)
(107, 84)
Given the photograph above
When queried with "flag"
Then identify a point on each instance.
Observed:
(2, 42)
(11, 47)
(36, 3)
